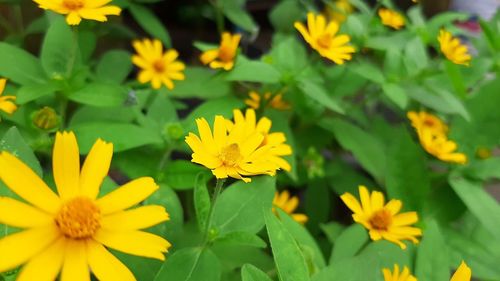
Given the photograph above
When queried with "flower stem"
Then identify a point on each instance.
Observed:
(210, 217)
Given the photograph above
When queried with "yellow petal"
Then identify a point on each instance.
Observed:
(105, 266)
(251, 144)
(137, 243)
(3, 81)
(18, 214)
(66, 165)
(206, 135)
(365, 199)
(46, 265)
(300, 218)
(377, 200)
(352, 203)
(127, 195)
(463, 273)
(220, 132)
(19, 178)
(394, 206)
(75, 266)
(209, 56)
(18, 248)
(73, 18)
(139, 218)
(95, 168)
(405, 218)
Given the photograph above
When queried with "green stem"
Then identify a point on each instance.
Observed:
(18, 15)
(63, 108)
(210, 217)
(164, 159)
(219, 17)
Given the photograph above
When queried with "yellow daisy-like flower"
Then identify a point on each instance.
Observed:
(7, 104)
(391, 18)
(463, 273)
(224, 56)
(340, 10)
(288, 204)
(432, 134)
(382, 220)
(322, 37)
(156, 66)
(230, 153)
(404, 275)
(76, 10)
(69, 232)
(276, 141)
(453, 49)
(256, 101)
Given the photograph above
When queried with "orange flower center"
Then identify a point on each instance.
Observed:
(159, 66)
(429, 122)
(73, 5)
(226, 54)
(381, 219)
(79, 218)
(324, 40)
(230, 155)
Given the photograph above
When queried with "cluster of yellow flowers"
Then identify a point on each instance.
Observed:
(463, 273)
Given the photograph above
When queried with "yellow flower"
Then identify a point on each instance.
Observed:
(230, 153)
(453, 50)
(382, 220)
(256, 100)
(322, 37)
(463, 273)
(398, 276)
(391, 18)
(288, 204)
(7, 104)
(69, 232)
(340, 10)
(156, 66)
(432, 134)
(224, 56)
(76, 10)
(276, 141)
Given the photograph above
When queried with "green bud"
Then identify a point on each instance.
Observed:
(46, 119)
(173, 131)
(314, 163)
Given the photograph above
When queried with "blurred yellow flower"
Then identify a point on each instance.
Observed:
(76, 10)
(7, 104)
(338, 10)
(70, 232)
(230, 153)
(391, 18)
(276, 141)
(382, 220)
(322, 37)
(432, 134)
(398, 276)
(224, 56)
(256, 101)
(288, 204)
(156, 66)
(463, 273)
(453, 50)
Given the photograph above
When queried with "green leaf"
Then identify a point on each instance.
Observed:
(484, 170)
(368, 71)
(238, 207)
(59, 50)
(253, 71)
(318, 93)
(32, 92)
(289, 259)
(211, 108)
(252, 273)
(438, 99)
(349, 243)
(456, 78)
(242, 238)
(238, 15)
(201, 201)
(491, 35)
(123, 136)
(396, 94)
(14, 143)
(432, 265)
(191, 264)
(202, 83)
(100, 94)
(182, 174)
(172, 229)
(20, 66)
(352, 269)
(114, 66)
(484, 207)
(415, 56)
(150, 23)
(284, 14)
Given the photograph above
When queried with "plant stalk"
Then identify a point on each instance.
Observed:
(210, 217)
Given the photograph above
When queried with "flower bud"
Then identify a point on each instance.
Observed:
(45, 119)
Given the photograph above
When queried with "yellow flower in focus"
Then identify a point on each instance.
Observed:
(69, 232)
(463, 273)
(322, 37)
(230, 153)
(339, 10)
(7, 104)
(382, 220)
(432, 134)
(398, 276)
(276, 141)
(76, 10)
(224, 56)
(453, 49)
(156, 66)
(288, 205)
(391, 18)
(256, 101)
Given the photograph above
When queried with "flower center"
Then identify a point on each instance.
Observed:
(159, 66)
(381, 219)
(226, 54)
(78, 218)
(324, 40)
(73, 5)
(230, 154)
(429, 122)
